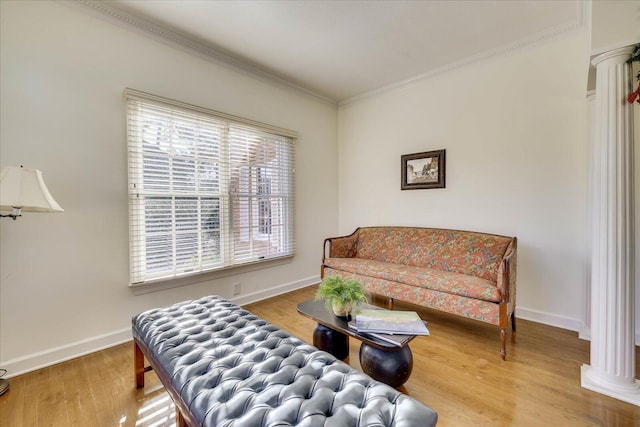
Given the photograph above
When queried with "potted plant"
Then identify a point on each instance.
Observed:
(340, 294)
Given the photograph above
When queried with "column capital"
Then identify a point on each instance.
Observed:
(616, 56)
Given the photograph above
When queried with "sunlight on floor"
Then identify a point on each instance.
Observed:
(156, 411)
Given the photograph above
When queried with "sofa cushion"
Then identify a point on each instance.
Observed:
(464, 252)
(443, 281)
(485, 311)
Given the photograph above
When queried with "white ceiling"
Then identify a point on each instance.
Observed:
(343, 49)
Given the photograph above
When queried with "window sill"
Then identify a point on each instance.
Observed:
(176, 282)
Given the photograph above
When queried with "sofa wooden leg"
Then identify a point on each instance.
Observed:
(390, 303)
(513, 327)
(503, 340)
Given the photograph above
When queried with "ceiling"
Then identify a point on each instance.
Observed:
(344, 49)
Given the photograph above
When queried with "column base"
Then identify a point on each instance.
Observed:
(629, 394)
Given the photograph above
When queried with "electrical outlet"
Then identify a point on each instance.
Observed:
(236, 288)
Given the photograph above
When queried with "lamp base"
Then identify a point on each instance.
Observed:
(12, 216)
(4, 386)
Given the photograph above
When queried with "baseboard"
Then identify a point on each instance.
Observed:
(56, 355)
(550, 319)
(275, 291)
(585, 334)
(42, 359)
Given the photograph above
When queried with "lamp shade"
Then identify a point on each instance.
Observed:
(24, 188)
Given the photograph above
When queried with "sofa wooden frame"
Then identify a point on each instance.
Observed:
(507, 302)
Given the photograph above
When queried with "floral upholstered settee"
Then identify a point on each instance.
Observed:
(466, 273)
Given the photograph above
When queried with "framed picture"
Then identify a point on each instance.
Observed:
(423, 170)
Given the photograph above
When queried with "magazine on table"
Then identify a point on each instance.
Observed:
(389, 322)
(393, 339)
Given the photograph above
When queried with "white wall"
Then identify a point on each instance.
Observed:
(615, 24)
(514, 129)
(64, 277)
(515, 132)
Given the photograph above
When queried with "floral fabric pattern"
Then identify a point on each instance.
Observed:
(443, 281)
(484, 311)
(461, 272)
(463, 252)
(344, 247)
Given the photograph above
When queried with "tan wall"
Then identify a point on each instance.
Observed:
(515, 132)
(64, 277)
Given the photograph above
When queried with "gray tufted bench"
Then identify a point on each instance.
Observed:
(224, 366)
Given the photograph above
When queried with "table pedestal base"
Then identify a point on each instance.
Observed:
(331, 341)
(392, 367)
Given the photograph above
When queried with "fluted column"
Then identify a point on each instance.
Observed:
(612, 369)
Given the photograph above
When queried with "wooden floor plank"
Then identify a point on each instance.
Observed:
(457, 371)
(49, 401)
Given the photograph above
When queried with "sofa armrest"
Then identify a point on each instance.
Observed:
(507, 274)
(340, 247)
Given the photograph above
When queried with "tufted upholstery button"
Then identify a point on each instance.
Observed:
(227, 367)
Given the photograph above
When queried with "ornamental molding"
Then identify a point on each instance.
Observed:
(555, 33)
(119, 16)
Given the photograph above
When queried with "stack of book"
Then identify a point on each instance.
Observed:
(391, 326)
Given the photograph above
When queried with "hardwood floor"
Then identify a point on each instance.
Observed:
(457, 371)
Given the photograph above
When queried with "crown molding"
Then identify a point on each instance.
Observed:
(582, 21)
(110, 12)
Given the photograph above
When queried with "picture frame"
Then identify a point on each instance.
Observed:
(423, 170)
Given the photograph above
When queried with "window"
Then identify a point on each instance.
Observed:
(207, 190)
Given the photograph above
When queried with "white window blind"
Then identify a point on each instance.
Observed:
(206, 190)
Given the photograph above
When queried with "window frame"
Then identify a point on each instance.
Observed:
(139, 276)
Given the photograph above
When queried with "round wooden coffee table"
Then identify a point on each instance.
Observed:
(382, 360)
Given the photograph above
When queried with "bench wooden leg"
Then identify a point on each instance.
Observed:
(180, 421)
(138, 365)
